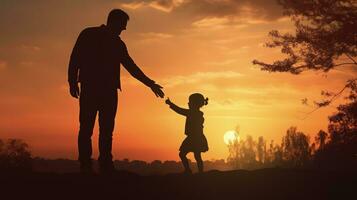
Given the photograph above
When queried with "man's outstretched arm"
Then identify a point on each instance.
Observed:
(136, 72)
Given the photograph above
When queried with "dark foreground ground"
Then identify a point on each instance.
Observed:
(259, 184)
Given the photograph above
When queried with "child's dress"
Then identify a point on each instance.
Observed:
(195, 140)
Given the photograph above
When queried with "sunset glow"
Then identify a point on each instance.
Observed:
(230, 137)
(185, 46)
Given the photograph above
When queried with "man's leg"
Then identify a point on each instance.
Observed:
(87, 115)
(107, 112)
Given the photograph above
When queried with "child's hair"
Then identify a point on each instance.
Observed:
(198, 99)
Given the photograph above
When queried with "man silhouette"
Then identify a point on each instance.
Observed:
(95, 63)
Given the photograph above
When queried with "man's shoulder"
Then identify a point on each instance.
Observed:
(91, 30)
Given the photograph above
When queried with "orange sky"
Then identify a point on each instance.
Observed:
(186, 46)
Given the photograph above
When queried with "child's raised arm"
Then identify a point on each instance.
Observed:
(179, 110)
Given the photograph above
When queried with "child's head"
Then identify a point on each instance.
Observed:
(197, 100)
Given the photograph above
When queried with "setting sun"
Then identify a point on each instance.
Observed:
(230, 136)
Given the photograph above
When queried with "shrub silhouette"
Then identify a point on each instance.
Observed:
(14, 156)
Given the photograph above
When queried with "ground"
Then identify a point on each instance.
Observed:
(240, 184)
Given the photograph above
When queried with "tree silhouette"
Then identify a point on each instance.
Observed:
(325, 36)
(261, 150)
(235, 157)
(295, 151)
(321, 138)
(14, 155)
(250, 154)
(296, 148)
(278, 156)
(340, 151)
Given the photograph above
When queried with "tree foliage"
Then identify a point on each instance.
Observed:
(335, 149)
(243, 153)
(321, 139)
(296, 148)
(325, 36)
(14, 155)
(294, 151)
(340, 148)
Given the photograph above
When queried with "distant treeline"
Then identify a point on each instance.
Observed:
(335, 149)
(136, 166)
(295, 151)
(15, 156)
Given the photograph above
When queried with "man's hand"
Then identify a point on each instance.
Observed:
(156, 88)
(74, 90)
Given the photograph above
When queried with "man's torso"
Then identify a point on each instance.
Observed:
(100, 55)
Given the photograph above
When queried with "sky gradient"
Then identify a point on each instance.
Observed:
(204, 46)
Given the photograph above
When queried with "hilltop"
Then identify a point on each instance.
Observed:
(239, 184)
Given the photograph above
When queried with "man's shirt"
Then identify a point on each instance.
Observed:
(96, 58)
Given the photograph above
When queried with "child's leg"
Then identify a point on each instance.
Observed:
(199, 161)
(184, 160)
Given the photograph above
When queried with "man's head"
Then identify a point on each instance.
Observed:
(117, 20)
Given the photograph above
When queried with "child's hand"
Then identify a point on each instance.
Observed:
(168, 101)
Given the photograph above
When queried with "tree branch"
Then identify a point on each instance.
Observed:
(350, 57)
(345, 64)
(333, 97)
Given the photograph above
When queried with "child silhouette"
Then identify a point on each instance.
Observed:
(195, 141)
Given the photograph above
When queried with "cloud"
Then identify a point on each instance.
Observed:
(133, 5)
(222, 63)
(228, 22)
(264, 10)
(27, 63)
(271, 90)
(3, 65)
(155, 35)
(162, 5)
(217, 22)
(166, 5)
(200, 76)
(31, 48)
